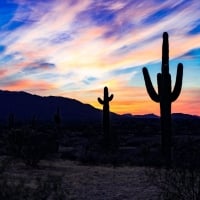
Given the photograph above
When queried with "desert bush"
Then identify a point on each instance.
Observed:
(175, 183)
(187, 153)
(47, 187)
(30, 145)
(14, 142)
(182, 179)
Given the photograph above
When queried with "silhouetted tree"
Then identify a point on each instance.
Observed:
(108, 136)
(165, 96)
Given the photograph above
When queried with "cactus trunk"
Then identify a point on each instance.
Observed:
(166, 130)
(106, 121)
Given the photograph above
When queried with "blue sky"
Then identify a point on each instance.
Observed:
(74, 48)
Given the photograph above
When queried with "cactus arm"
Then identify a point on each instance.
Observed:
(178, 83)
(100, 101)
(150, 89)
(111, 97)
(159, 76)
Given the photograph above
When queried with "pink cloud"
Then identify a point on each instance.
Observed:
(27, 85)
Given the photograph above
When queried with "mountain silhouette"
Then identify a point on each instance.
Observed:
(182, 116)
(25, 106)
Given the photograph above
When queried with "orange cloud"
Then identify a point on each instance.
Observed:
(27, 85)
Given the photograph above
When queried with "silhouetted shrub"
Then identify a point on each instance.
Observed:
(49, 187)
(14, 142)
(175, 183)
(182, 180)
(30, 145)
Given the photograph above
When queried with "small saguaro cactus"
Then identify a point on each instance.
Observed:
(165, 95)
(106, 115)
(11, 120)
(57, 117)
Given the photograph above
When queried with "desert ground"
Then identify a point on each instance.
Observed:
(87, 182)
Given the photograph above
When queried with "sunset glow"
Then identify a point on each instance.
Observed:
(73, 48)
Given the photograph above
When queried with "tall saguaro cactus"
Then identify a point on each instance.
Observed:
(165, 95)
(106, 115)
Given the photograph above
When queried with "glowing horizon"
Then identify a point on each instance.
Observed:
(75, 48)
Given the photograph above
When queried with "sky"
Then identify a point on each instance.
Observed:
(73, 48)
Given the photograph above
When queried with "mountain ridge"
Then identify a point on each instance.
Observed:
(24, 106)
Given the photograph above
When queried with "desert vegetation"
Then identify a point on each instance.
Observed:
(80, 168)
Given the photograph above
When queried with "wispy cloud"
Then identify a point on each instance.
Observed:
(38, 67)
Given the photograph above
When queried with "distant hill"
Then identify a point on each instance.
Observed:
(149, 116)
(184, 116)
(24, 106)
(174, 116)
